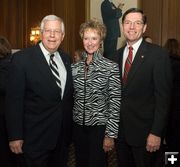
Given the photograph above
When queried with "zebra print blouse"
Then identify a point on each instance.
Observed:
(97, 97)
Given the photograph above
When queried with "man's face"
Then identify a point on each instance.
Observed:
(52, 35)
(133, 27)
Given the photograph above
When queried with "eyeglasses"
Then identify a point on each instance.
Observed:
(49, 31)
(135, 23)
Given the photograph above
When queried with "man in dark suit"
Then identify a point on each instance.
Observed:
(39, 99)
(145, 95)
(110, 15)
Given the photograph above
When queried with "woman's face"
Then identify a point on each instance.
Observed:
(91, 40)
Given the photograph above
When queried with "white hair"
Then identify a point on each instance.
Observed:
(52, 18)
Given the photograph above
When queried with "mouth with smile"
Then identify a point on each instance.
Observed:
(131, 32)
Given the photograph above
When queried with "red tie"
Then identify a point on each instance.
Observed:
(128, 64)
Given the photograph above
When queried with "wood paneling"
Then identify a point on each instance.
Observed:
(163, 19)
(171, 23)
(35, 11)
(12, 21)
(18, 16)
(153, 11)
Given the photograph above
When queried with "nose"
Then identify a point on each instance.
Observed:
(52, 33)
(132, 25)
(89, 41)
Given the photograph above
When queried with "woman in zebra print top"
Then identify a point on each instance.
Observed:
(97, 99)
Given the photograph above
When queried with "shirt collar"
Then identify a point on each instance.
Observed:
(136, 45)
(96, 55)
(44, 50)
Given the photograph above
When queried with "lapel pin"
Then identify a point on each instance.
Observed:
(142, 56)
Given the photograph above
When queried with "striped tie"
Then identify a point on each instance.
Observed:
(128, 64)
(54, 70)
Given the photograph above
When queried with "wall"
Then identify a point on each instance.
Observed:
(18, 16)
(95, 11)
(163, 19)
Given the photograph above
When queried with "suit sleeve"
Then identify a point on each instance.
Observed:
(4, 68)
(162, 92)
(14, 98)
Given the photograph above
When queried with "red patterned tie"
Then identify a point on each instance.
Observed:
(128, 64)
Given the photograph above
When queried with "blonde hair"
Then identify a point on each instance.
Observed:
(95, 25)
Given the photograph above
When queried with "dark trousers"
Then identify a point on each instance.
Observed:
(110, 47)
(49, 158)
(7, 158)
(88, 143)
(173, 133)
(131, 156)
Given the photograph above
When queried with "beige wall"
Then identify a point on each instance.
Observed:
(95, 11)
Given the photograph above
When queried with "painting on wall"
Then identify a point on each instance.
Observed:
(93, 11)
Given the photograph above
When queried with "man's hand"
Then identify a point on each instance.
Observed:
(120, 5)
(153, 143)
(16, 146)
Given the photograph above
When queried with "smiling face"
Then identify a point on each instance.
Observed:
(133, 27)
(52, 35)
(91, 40)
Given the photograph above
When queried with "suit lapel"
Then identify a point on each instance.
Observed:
(43, 67)
(45, 72)
(120, 60)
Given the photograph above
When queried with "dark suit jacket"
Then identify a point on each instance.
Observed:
(4, 67)
(173, 135)
(146, 95)
(111, 19)
(175, 105)
(35, 111)
(5, 153)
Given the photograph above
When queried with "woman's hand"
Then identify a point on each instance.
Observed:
(108, 143)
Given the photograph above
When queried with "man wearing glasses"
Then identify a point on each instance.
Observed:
(39, 100)
(146, 75)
